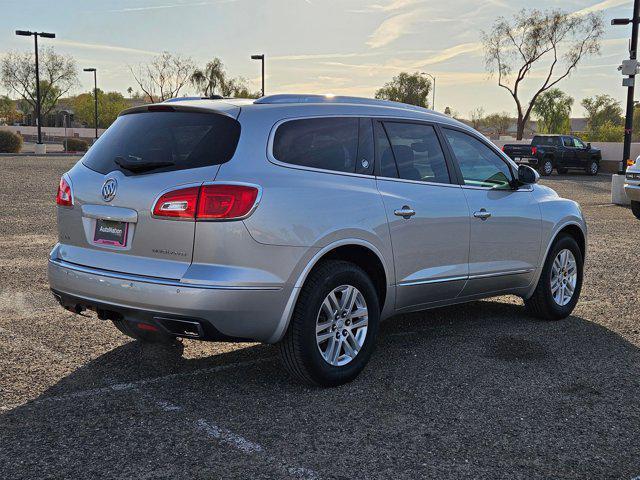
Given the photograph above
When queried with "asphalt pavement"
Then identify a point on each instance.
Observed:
(477, 391)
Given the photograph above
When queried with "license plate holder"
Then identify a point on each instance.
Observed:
(110, 232)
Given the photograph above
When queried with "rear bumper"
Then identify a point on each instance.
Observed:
(224, 313)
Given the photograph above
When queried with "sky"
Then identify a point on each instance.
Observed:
(342, 47)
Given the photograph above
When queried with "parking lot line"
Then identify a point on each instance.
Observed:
(234, 440)
(117, 387)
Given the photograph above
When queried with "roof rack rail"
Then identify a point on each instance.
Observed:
(298, 98)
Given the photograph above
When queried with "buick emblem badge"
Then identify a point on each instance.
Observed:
(109, 189)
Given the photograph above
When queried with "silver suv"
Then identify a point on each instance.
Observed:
(303, 221)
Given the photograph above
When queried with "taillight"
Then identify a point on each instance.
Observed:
(534, 150)
(226, 201)
(208, 202)
(180, 203)
(502, 148)
(64, 197)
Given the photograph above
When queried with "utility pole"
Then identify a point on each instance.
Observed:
(629, 68)
(95, 97)
(261, 58)
(35, 35)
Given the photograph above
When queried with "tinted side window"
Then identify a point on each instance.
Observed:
(172, 140)
(326, 143)
(417, 151)
(567, 142)
(553, 141)
(480, 165)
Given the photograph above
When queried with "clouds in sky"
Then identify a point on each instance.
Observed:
(108, 48)
(393, 28)
(349, 47)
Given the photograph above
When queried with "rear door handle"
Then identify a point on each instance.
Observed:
(482, 214)
(405, 212)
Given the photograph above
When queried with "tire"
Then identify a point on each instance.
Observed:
(542, 303)
(562, 171)
(593, 168)
(145, 336)
(300, 350)
(546, 167)
(635, 208)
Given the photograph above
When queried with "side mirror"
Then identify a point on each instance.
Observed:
(527, 175)
(588, 146)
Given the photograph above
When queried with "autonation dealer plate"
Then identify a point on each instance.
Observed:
(111, 233)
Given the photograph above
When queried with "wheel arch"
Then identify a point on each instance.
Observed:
(572, 228)
(359, 252)
(576, 232)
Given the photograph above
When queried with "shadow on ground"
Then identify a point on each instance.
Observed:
(473, 391)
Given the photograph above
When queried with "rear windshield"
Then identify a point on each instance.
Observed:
(151, 142)
(553, 141)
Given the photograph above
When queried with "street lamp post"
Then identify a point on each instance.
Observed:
(433, 102)
(27, 33)
(261, 58)
(95, 98)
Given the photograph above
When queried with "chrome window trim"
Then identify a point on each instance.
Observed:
(417, 182)
(275, 161)
(524, 188)
(144, 279)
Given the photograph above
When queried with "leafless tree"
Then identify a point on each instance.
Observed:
(58, 74)
(553, 42)
(477, 117)
(498, 123)
(164, 76)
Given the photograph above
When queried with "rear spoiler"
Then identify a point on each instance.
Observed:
(222, 108)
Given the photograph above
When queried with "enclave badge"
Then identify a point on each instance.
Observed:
(109, 189)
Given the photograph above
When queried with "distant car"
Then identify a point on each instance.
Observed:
(632, 187)
(304, 220)
(559, 152)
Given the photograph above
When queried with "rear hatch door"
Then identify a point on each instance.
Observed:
(143, 155)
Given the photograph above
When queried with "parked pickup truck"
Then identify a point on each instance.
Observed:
(562, 152)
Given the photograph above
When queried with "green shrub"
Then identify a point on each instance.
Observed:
(75, 145)
(10, 142)
(608, 132)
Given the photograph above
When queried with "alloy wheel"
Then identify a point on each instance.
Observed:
(341, 325)
(564, 277)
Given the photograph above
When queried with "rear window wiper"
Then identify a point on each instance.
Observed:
(137, 167)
